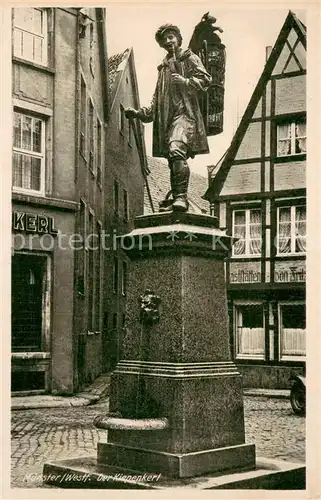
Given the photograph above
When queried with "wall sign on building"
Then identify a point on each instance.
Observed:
(290, 275)
(245, 272)
(33, 223)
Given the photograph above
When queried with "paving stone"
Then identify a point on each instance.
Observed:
(43, 434)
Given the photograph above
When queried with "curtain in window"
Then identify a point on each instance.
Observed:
(36, 136)
(255, 232)
(250, 330)
(293, 342)
(26, 171)
(239, 232)
(26, 132)
(17, 131)
(300, 229)
(284, 230)
(17, 170)
(284, 140)
(300, 134)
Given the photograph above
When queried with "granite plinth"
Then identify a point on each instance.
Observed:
(180, 367)
(193, 324)
(86, 473)
(202, 402)
(241, 457)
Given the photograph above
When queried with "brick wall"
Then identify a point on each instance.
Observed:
(290, 175)
(290, 95)
(243, 179)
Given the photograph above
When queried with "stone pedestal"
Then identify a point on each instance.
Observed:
(179, 368)
(176, 397)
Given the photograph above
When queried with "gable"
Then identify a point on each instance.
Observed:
(292, 57)
(287, 57)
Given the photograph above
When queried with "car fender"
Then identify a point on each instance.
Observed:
(298, 378)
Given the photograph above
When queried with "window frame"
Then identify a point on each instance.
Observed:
(236, 305)
(247, 253)
(116, 275)
(293, 137)
(130, 134)
(34, 154)
(83, 118)
(99, 152)
(124, 277)
(293, 235)
(121, 119)
(289, 357)
(91, 135)
(116, 197)
(126, 205)
(83, 251)
(91, 48)
(45, 56)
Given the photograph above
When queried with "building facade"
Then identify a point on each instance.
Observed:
(124, 196)
(258, 192)
(65, 174)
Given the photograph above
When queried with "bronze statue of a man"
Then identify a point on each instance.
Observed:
(178, 127)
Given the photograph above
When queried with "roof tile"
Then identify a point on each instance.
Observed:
(159, 185)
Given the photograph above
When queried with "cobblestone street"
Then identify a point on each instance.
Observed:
(55, 433)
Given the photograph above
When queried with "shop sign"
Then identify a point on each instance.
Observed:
(33, 223)
(242, 276)
(245, 272)
(291, 275)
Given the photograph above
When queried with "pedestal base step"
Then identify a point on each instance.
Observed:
(239, 457)
(85, 473)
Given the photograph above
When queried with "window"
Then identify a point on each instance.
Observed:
(129, 133)
(28, 154)
(124, 278)
(249, 330)
(291, 236)
(125, 196)
(247, 228)
(116, 197)
(291, 138)
(91, 135)
(92, 45)
(99, 155)
(30, 34)
(292, 323)
(121, 119)
(30, 286)
(115, 275)
(83, 109)
(115, 321)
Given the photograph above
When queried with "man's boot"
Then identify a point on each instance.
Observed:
(179, 182)
(167, 204)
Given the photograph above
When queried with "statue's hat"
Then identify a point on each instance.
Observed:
(167, 27)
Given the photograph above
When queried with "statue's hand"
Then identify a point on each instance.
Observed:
(176, 78)
(130, 112)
